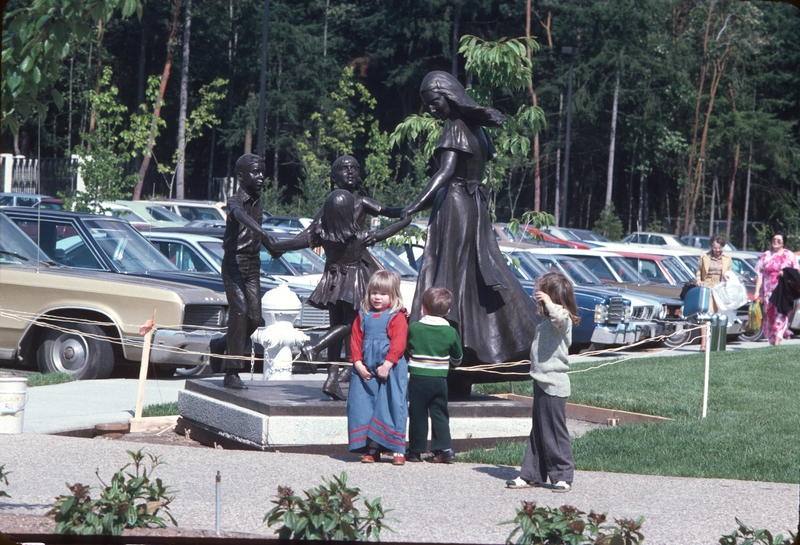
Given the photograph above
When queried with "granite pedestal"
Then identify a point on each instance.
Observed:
(295, 414)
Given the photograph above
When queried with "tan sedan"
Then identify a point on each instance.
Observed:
(62, 319)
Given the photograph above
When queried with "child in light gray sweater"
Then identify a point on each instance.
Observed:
(549, 451)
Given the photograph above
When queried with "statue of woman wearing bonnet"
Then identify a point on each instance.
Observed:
(494, 316)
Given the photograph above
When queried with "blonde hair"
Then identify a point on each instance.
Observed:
(387, 282)
(559, 288)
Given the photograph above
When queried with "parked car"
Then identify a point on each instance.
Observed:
(655, 315)
(521, 239)
(614, 270)
(285, 224)
(103, 243)
(23, 199)
(204, 253)
(195, 210)
(393, 262)
(153, 214)
(657, 239)
(696, 241)
(577, 235)
(671, 269)
(50, 203)
(605, 319)
(62, 319)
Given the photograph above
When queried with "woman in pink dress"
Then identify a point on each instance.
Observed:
(770, 268)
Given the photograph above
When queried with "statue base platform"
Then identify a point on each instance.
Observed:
(294, 415)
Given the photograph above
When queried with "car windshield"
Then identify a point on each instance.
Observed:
(304, 261)
(579, 273)
(563, 234)
(649, 268)
(162, 214)
(126, 248)
(744, 269)
(15, 246)
(393, 262)
(612, 269)
(127, 214)
(691, 261)
(676, 270)
(200, 212)
(531, 267)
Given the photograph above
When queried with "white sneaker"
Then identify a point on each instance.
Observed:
(562, 486)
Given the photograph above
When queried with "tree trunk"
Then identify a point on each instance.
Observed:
(711, 212)
(82, 129)
(181, 163)
(454, 41)
(690, 180)
(137, 191)
(211, 166)
(610, 178)
(719, 68)
(69, 108)
(747, 195)
(557, 207)
(735, 169)
(537, 177)
(100, 34)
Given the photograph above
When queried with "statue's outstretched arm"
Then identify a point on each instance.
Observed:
(391, 230)
(447, 169)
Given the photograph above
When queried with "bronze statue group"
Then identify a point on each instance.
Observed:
(467, 305)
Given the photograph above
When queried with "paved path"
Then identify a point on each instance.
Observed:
(460, 503)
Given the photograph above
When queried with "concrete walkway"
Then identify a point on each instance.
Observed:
(460, 503)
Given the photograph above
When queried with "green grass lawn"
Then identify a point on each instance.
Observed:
(160, 409)
(751, 432)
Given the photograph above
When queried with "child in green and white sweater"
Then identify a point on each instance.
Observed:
(433, 346)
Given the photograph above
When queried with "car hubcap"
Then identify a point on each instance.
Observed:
(69, 353)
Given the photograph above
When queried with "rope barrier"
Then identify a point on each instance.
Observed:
(51, 322)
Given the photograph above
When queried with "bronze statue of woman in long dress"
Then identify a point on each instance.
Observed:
(494, 316)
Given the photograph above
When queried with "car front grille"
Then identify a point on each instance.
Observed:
(203, 316)
(313, 317)
(616, 310)
(643, 313)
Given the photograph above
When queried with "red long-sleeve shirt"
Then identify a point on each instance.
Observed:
(397, 331)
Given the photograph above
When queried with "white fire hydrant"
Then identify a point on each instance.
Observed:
(279, 307)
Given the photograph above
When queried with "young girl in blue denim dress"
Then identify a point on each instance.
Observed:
(376, 405)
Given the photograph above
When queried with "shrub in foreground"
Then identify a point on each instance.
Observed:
(3, 480)
(131, 500)
(549, 525)
(536, 525)
(327, 512)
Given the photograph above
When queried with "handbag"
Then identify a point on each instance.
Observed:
(754, 315)
(686, 287)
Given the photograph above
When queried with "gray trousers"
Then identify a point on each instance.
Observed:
(549, 451)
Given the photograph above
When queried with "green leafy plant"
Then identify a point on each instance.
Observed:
(755, 537)
(131, 500)
(566, 524)
(327, 513)
(4, 480)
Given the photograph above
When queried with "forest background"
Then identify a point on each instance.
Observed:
(684, 112)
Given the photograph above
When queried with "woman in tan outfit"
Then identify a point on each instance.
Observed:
(710, 271)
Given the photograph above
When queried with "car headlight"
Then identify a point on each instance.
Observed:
(600, 313)
(662, 312)
(628, 312)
